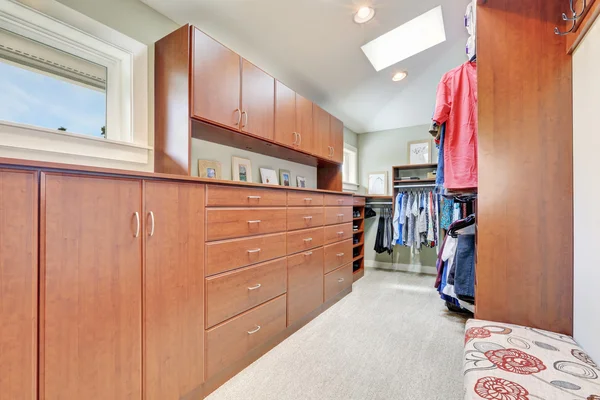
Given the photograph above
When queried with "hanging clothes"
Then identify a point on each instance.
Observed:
(385, 233)
(415, 219)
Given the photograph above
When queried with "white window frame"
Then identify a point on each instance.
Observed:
(58, 26)
(349, 185)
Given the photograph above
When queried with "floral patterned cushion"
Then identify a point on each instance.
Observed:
(510, 362)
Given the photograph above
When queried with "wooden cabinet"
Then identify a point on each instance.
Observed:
(227, 196)
(258, 101)
(304, 125)
(321, 128)
(91, 288)
(305, 199)
(285, 115)
(338, 215)
(336, 139)
(337, 254)
(304, 240)
(18, 284)
(304, 217)
(338, 280)
(215, 81)
(174, 289)
(305, 284)
(335, 233)
(226, 223)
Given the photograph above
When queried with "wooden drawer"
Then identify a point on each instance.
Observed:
(338, 215)
(230, 341)
(230, 254)
(232, 293)
(225, 223)
(305, 284)
(338, 280)
(358, 201)
(303, 240)
(231, 196)
(337, 254)
(336, 233)
(338, 200)
(304, 217)
(304, 199)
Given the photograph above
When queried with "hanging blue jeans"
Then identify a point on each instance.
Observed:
(464, 278)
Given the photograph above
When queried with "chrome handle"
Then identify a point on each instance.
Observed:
(237, 110)
(255, 330)
(254, 251)
(152, 219)
(308, 240)
(300, 141)
(309, 217)
(340, 254)
(137, 221)
(332, 151)
(340, 215)
(341, 280)
(257, 221)
(308, 199)
(255, 287)
(340, 201)
(245, 119)
(340, 233)
(308, 253)
(295, 138)
(253, 197)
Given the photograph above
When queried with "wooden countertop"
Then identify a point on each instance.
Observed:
(83, 169)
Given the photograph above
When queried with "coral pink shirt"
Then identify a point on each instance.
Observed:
(456, 105)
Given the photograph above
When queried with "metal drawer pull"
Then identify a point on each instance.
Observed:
(295, 138)
(237, 110)
(308, 240)
(340, 233)
(254, 251)
(254, 222)
(308, 199)
(340, 215)
(308, 217)
(152, 218)
(246, 122)
(308, 253)
(340, 254)
(137, 221)
(255, 287)
(340, 201)
(255, 330)
(341, 280)
(254, 197)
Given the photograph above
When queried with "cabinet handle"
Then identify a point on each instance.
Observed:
(332, 151)
(308, 199)
(255, 287)
(295, 138)
(137, 221)
(257, 221)
(341, 280)
(152, 219)
(340, 254)
(300, 139)
(310, 217)
(254, 251)
(237, 111)
(308, 253)
(253, 197)
(340, 215)
(245, 119)
(308, 240)
(340, 201)
(255, 330)
(341, 233)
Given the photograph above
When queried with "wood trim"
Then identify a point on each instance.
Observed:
(584, 25)
(41, 286)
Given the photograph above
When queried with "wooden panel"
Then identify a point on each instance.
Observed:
(304, 217)
(225, 223)
(18, 284)
(321, 130)
(228, 342)
(91, 281)
(258, 101)
(358, 201)
(304, 125)
(285, 115)
(583, 24)
(337, 281)
(215, 81)
(236, 253)
(337, 254)
(336, 233)
(338, 215)
(305, 284)
(231, 196)
(172, 131)
(173, 289)
(232, 293)
(303, 240)
(525, 215)
(336, 139)
(338, 200)
(304, 199)
(329, 177)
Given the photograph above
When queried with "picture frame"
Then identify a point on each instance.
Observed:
(301, 181)
(419, 152)
(241, 169)
(378, 183)
(209, 169)
(285, 177)
(268, 176)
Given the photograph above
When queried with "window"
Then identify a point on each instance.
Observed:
(350, 167)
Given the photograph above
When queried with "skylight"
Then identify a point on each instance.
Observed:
(405, 41)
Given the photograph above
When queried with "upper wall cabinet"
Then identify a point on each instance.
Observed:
(336, 139)
(304, 124)
(258, 101)
(321, 129)
(293, 119)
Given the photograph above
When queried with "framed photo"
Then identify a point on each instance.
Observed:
(269, 176)
(419, 152)
(241, 169)
(301, 181)
(285, 177)
(209, 169)
(378, 183)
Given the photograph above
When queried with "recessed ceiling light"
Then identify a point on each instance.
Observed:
(398, 76)
(405, 41)
(364, 14)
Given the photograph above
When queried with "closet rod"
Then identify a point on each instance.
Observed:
(389, 203)
(415, 186)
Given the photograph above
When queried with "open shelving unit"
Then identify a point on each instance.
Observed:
(358, 235)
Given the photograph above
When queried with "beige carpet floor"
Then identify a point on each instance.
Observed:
(391, 338)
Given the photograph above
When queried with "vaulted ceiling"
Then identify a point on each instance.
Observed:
(313, 46)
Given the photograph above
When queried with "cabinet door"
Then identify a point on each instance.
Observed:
(18, 284)
(174, 289)
(285, 115)
(91, 288)
(258, 101)
(304, 125)
(305, 284)
(216, 81)
(336, 139)
(321, 130)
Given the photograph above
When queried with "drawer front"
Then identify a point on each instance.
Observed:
(230, 254)
(305, 284)
(336, 233)
(226, 223)
(231, 196)
(230, 341)
(304, 217)
(304, 199)
(338, 215)
(303, 240)
(338, 280)
(232, 293)
(337, 254)
(338, 200)
(358, 201)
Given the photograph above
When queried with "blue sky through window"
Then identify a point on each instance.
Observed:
(33, 98)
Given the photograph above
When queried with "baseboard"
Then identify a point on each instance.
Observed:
(421, 269)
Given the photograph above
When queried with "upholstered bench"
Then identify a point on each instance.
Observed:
(510, 362)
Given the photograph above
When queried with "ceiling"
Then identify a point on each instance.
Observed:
(313, 46)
